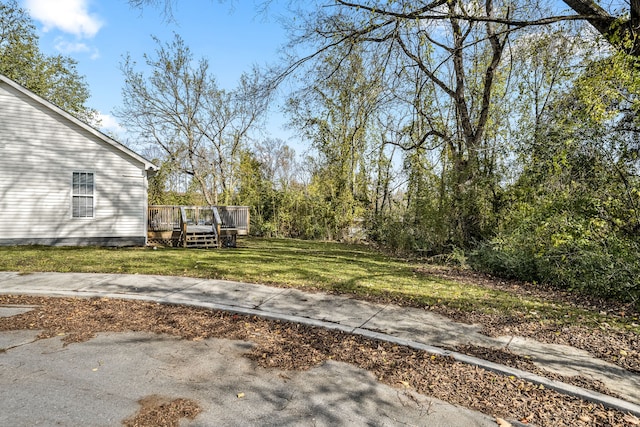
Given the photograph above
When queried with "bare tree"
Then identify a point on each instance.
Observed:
(278, 161)
(620, 25)
(180, 108)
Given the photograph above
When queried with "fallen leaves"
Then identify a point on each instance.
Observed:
(157, 410)
(632, 420)
(293, 346)
(604, 341)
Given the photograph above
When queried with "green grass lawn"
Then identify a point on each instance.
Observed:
(334, 267)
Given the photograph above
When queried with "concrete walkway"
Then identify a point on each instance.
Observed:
(407, 326)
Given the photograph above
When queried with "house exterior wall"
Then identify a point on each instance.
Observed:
(39, 151)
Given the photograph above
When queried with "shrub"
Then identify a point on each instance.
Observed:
(576, 254)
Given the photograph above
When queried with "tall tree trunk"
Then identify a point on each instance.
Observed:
(468, 215)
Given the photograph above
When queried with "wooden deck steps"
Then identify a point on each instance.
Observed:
(201, 239)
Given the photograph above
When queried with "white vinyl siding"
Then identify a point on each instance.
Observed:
(82, 195)
(39, 150)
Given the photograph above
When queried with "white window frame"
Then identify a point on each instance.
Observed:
(82, 193)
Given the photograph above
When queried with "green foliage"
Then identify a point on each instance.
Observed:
(520, 161)
(573, 221)
(568, 252)
(55, 78)
(288, 208)
(160, 194)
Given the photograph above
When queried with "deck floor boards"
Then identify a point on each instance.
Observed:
(199, 229)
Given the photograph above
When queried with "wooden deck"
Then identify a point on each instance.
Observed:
(197, 226)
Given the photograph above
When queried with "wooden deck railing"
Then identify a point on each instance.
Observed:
(168, 218)
(163, 218)
(217, 223)
(198, 215)
(236, 217)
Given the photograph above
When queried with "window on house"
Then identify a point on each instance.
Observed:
(82, 199)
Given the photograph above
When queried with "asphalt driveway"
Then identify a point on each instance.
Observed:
(100, 383)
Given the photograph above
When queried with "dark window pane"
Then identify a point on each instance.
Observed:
(82, 197)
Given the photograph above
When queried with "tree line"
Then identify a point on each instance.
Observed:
(498, 134)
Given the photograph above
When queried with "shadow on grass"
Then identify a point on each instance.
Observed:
(332, 267)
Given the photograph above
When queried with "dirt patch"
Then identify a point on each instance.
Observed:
(162, 411)
(293, 346)
(508, 358)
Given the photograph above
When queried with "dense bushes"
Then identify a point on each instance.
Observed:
(567, 255)
(574, 216)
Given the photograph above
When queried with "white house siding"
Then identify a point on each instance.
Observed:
(39, 151)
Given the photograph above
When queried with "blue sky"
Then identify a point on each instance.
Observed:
(232, 35)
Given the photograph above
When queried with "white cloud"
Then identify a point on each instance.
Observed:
(66, 47)
(109, 125)
(69, 16)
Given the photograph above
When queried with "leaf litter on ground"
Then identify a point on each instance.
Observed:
(289, 346)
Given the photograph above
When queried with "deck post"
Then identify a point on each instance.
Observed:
(217, 223)
(183, 226)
